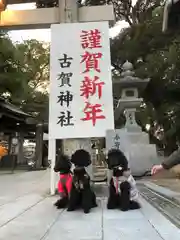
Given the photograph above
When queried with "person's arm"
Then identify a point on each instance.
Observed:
(172, 160)
(168, 163)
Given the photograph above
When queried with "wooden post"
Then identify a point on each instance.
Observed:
(39, 145)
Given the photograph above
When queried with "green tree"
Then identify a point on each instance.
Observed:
(24, 76)
(34, 57)
(11, 74)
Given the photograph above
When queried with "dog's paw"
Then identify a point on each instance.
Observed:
(134, 205)
(70, 209)
(55, 204)
(60, 207)
(109, 206)
(124, 209)
(86, 211)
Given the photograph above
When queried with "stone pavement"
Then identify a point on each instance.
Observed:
(173, 184)
(166, 183)
(27, 212)
(165, 190)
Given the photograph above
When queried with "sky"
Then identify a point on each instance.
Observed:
(44, 34)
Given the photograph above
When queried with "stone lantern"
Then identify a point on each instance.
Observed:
(129, 101)
(131, 140)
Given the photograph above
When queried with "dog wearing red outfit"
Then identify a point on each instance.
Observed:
(63, 166)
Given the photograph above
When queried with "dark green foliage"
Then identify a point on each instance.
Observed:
(24, 75)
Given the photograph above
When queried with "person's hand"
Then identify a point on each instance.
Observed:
(156, 169)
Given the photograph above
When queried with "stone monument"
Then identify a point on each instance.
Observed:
(130, 139)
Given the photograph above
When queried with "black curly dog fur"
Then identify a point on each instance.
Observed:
(81, 196)
(122, 200)
(63, 166)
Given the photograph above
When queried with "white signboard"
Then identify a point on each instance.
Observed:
(81, 102)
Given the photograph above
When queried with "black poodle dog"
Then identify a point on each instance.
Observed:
(123, 193)
(81, 195)
(63, 166)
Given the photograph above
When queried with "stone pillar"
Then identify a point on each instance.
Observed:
(20, 157)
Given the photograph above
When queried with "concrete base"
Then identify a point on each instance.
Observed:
(141, 158)
(141, 155)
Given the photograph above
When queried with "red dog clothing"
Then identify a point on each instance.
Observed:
(64, 184)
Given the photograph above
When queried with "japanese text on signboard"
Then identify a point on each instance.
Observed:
(91, 83)
(116, 141)
(65, 98)
(80, 99)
